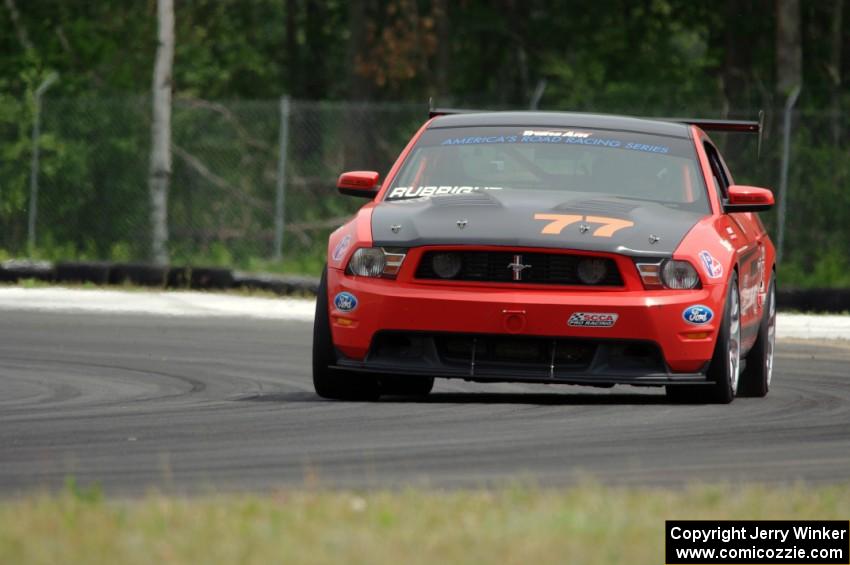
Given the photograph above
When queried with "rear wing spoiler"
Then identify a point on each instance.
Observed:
(724, 126)
(434, 112)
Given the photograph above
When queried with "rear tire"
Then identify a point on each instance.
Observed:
(755, 379)
(724, 370)
(335, 384)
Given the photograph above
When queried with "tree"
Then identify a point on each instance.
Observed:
(789, 49)
(160, 163)
(834, 68)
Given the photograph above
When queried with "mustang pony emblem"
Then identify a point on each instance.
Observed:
(517, 267)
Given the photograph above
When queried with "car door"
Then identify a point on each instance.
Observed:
(746, 233)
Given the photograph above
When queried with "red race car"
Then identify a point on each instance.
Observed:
(551, 248)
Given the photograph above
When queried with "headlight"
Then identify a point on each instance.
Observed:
(376, 262)
(446, 265)
(679, 275)
(591, 271)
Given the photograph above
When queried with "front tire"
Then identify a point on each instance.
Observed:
(334, 384)
(725, 367)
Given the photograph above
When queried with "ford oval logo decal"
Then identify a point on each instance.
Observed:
(698, 314)
(345, 302)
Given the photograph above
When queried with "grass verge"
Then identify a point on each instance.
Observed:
(585, 524)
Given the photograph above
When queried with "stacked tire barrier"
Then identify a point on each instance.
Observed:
(814, 299)
(140, 274)
(216, 278)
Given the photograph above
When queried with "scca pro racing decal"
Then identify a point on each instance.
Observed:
(345, 302)
(341, 248)
(713, 268)
(698, 314)
(592, 320)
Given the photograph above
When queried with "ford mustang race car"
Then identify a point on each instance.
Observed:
(551, 248)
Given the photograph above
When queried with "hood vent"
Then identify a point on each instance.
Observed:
(601, 207)
(471, 199)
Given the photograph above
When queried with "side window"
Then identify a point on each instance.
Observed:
(724, 168)
(721, 181)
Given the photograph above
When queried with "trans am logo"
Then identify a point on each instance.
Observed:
(698, 314)
(592, 320)
(345, 302)
(712, 266)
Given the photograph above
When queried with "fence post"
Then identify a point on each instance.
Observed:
(36, 134)
(783, 177)
(537, 94)
(280, 195)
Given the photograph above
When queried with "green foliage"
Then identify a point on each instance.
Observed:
(655, 57)
(830, 269)
(90, 495)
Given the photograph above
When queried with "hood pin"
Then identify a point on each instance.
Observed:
(583, 228)
(462, 223)
(395, 228)
(653, 239)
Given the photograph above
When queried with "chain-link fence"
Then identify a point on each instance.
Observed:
(93, 195)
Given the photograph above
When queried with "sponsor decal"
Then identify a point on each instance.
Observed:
(341, 248)
(584, 138)
(712, 266)
(477, 140)
(592, 320)
(697, 314)
(569, 139)
(647, 148)
(345, 302)
(550, 133)
(555, 136)
(405, 192)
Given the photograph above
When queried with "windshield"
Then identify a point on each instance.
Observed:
(637, 166)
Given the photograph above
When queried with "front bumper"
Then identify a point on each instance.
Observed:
(500, 357)
(653, 317)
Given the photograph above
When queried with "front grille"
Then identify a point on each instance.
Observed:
(543, 268)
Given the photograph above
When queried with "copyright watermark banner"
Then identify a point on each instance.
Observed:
(694, 542)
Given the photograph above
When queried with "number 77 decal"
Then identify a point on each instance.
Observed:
(557, 223)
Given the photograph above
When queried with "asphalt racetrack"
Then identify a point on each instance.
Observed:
(142, 402)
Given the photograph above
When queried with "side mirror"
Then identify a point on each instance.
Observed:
(359, 183)
(748, 199)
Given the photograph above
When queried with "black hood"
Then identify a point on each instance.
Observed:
(506, 218)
